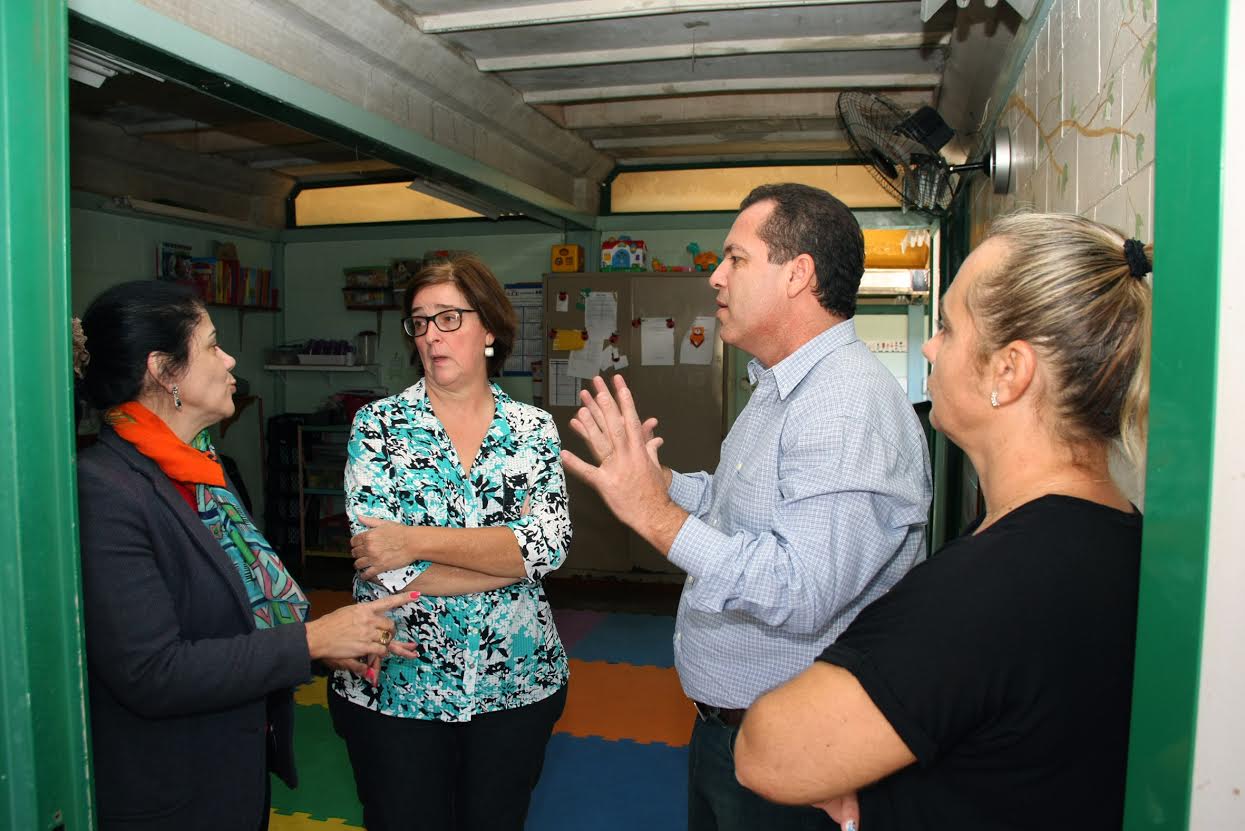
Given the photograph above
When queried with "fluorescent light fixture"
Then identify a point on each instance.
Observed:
(93, 67)
(185, 214)
(454, 196)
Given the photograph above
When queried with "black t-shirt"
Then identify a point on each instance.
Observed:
(1005, 663)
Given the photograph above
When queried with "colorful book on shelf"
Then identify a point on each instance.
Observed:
(173, 261)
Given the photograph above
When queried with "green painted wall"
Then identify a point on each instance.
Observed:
(314, 307)
(110, 248)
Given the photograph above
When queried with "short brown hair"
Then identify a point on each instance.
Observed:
(809, 220)
(483, 293)
(1064, 284)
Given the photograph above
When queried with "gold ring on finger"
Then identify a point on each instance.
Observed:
(385, 637)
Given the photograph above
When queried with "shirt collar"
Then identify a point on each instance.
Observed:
(790, 371)
(417, 395)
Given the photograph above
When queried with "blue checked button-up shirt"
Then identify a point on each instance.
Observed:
(818, 506)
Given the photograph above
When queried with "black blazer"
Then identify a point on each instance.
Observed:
(182, 684)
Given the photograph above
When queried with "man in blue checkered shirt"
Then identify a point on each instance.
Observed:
(819, 502)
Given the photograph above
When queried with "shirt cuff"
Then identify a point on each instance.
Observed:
(685, 491)
(529, 536)
(696, 548)
(398, 579)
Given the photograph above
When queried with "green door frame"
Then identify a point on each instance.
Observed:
(1188, 202)
(45, 775)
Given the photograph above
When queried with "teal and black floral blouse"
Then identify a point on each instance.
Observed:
(482, 652)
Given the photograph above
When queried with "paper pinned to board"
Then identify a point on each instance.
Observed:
(568, 340)
(656, 342)
(563, 389)
(601, 313)
(611, 358)
(585, 363)
(563, 301)
(697, 345)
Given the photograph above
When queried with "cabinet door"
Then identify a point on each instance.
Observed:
(686, 400)
(599, 542)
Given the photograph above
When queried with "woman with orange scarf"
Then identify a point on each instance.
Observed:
(195, 631)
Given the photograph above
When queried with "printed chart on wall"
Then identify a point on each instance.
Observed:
(528, 300)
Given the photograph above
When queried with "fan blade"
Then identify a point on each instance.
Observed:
(883, 164)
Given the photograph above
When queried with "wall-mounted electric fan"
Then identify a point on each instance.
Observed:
(902, 149)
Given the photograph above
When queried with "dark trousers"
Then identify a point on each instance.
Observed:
(717, 802)
(432, 775)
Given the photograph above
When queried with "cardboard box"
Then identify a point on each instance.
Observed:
(565, 258)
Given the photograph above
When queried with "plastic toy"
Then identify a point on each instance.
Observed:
(703, 260)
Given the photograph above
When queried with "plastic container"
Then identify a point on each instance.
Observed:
(365, 347)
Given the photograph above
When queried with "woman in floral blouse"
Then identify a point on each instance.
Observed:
(455, 490)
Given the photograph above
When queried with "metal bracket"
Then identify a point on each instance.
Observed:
(1023, 7)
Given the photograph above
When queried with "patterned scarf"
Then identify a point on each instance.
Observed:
(275, 597)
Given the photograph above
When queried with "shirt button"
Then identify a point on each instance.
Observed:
(678, 636)
(690, 579)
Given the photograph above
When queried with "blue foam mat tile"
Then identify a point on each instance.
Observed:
(640, 640)
(590, 783)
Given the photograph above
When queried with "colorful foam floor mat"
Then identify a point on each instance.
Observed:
(617, 759)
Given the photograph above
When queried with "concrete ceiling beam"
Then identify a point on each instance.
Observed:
(385, 37)
(541, 14)
(371, 56)
(719, 48)
(817, 137)
(897, 81)
(105, 141)
(610, 115)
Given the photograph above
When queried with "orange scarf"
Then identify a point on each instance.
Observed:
(153, 438)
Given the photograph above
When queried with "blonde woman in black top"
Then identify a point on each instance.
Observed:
(990, 688)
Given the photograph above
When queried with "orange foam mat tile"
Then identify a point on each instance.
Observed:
(621, 701)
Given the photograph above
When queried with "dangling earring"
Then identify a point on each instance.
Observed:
(994, 399)
(177, 397)
(488, 351)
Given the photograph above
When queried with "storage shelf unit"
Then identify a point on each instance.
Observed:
(323, 525)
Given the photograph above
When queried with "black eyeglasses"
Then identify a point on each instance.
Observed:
(449, 320)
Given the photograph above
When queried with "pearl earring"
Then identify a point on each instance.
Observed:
(177, 397)
(488, 351)
(994, 398)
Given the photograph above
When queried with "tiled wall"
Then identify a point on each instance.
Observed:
(1082, 126)
(1082, 119)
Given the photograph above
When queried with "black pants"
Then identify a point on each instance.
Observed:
(430, 775)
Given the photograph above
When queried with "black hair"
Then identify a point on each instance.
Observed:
(808, 220)
(127, 323)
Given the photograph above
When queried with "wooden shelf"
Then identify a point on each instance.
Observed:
(387, 308)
